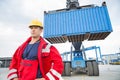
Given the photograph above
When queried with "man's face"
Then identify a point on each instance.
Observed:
(35, 31)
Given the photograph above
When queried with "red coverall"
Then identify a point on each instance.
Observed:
(49, 60)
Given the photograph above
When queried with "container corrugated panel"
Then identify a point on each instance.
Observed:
(77, 25)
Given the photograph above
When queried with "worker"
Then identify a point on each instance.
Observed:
(36, 59)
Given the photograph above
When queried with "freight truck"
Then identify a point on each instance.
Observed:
(75, 24)
(77, 61)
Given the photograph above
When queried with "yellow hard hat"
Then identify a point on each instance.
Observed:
(36, 23)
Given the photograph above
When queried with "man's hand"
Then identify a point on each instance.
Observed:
(40, 79)
(15, 79)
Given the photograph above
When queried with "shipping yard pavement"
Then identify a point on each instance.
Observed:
(107, 72)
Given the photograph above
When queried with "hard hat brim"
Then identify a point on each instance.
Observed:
(36, 26)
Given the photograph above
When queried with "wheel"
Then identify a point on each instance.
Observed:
(89, 69)
(67, 69)
(95, 68)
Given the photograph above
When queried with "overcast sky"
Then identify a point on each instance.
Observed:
(15, 16)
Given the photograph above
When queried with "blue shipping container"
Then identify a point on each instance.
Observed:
(75, 25)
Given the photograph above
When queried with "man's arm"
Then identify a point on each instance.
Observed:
(13, 72)
(57, 68)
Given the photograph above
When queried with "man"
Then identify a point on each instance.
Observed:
(35, 59)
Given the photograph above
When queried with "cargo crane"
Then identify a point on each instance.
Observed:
(78, 23)
(76, 61)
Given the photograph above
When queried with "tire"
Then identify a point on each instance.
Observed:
(89, 69)
(95, 68)
(67, 69)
